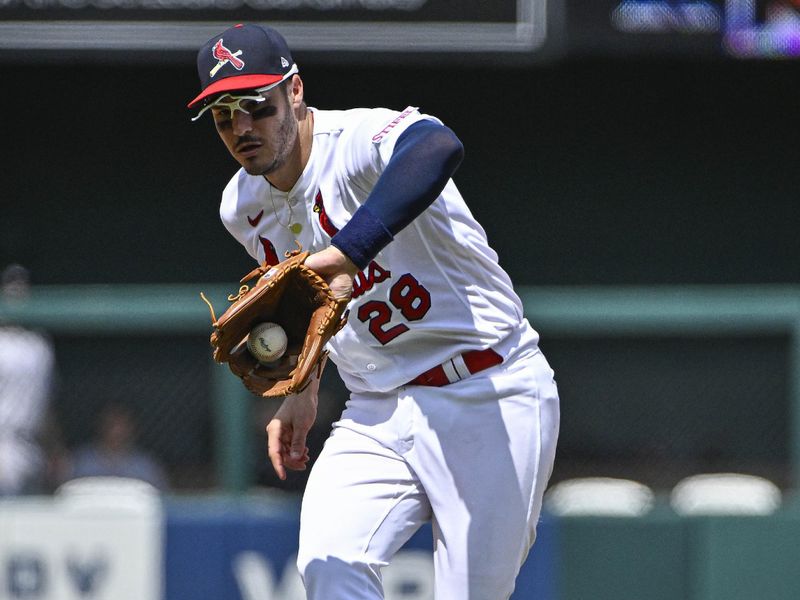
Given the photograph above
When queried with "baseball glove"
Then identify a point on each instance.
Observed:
(296, 298)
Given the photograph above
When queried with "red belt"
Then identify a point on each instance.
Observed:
(458, 368)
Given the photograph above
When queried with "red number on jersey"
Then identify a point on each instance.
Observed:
(379, 314)
(408, 296)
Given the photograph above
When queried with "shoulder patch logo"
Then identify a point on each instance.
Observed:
(225, 56)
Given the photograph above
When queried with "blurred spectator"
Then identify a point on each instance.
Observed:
(114, 452)
(26, 376)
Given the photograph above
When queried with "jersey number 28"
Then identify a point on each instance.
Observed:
(408, 296)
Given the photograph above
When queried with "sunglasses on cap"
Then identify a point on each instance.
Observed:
(234, 102)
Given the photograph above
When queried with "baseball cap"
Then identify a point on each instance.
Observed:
(243, 57)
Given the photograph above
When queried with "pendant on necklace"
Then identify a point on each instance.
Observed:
(296, 228)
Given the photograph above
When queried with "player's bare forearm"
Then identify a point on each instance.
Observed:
(288, 430)
(337, 269)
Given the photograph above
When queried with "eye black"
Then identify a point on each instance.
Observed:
(262, 112)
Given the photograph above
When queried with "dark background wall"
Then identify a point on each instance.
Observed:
(581, 172)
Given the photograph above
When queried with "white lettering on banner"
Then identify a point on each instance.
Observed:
(408, 577)
(253, 575)
(26, 576)
(61, 549)
(87, 576)
(29, 576)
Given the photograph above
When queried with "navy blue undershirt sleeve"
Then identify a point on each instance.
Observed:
(425, 157)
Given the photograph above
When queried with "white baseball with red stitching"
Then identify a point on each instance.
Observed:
(267, 342)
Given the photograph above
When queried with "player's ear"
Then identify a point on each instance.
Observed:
(295, 88)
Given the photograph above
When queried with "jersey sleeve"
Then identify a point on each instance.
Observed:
(371, 142)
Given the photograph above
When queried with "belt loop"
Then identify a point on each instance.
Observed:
(458, 368)
(450, 371)
(461, 367)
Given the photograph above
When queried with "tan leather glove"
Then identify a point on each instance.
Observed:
(296, 298)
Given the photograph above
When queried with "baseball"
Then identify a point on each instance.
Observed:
(267, 342)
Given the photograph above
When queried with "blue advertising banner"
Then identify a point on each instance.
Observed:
(243, 553)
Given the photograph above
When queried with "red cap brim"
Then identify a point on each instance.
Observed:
(234, 84)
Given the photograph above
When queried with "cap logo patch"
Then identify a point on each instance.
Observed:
(284, 62)
(225, 56)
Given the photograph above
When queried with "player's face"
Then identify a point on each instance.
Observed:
(262, 138)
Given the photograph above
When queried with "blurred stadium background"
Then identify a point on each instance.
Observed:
(633, 162)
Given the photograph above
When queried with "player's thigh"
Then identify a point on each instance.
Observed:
(361, 504)
(485, 463)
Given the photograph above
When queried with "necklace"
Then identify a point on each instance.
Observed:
(294, 228)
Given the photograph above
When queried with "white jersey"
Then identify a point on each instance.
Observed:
(434, 292)
(26, 370)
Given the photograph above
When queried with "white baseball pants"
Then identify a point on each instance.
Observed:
(474, 457)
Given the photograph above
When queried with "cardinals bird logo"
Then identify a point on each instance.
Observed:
(270, 256)
(324, 220)
(225, 56)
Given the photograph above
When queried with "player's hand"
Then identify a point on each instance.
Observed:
(288, 430)
(337, 269)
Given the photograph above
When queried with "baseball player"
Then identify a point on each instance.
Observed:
(453, 414)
